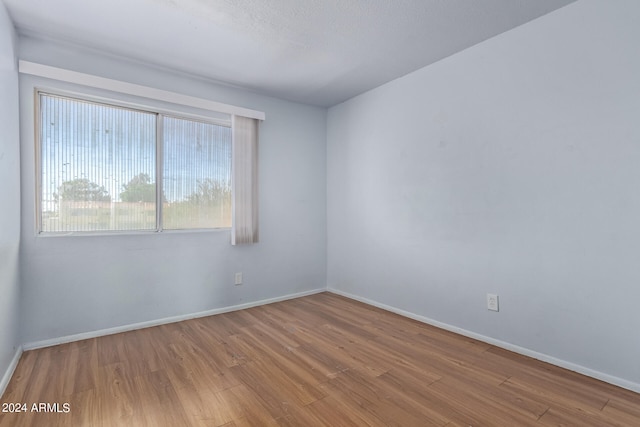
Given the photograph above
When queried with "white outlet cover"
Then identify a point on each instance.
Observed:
(492, 302)
(238, 279)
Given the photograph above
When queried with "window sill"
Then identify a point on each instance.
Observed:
(130, 232)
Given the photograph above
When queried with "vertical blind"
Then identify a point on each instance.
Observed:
(89, 153)
(99, 171)
(245, 181)
(196, 174)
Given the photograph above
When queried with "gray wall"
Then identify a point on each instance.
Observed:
(510, 168)
(9, 193)
(73, 285)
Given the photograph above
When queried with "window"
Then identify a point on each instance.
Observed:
(105, 167)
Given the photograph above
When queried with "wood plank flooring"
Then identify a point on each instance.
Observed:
(321, 360)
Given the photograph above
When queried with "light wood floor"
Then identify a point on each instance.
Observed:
(321, 360)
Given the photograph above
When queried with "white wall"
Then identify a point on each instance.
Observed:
(512, 167)
(74, 285)
(9, 194)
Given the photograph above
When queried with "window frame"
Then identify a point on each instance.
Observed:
(176, 111)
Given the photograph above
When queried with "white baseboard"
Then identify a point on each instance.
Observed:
(502, 344)
(10, 370)
(173, 319)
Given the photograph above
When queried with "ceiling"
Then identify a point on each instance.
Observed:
(318, 52)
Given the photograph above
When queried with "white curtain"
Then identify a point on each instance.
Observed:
(245, 181)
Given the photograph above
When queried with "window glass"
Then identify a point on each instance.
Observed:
(93, 159)
(98, 169)
(196, 174)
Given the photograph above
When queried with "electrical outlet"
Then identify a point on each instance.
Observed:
(492, 302)
(238, 279)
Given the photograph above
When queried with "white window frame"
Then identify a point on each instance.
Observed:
(160, 113)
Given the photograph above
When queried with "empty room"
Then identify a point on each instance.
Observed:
(319, 213)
